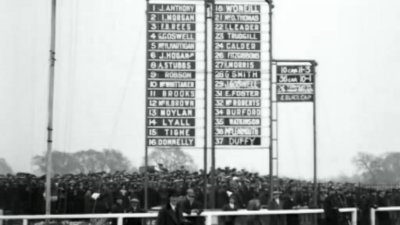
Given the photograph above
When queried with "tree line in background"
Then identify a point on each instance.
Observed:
(108, 160)
(372, 169)
(381, 169)
(4, 167)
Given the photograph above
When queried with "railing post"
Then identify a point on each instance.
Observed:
(208, 219)
(372, 216)
(354, 217)
(25, 221)
(119, 221)
(1, 213)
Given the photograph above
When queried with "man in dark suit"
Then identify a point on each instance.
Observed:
(331, 207)
(254, 204)
(383, 217)
(276, 203)
(231, 206)
(290, 202)
(117, 207)
(171, 214)
(192, 207)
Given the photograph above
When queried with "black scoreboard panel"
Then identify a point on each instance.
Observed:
(238, 55)
(173, 40)
(295, 81)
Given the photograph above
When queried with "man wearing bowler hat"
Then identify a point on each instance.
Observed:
(171, 214)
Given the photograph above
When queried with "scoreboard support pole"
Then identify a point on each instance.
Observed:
(212, 172)
(271, 150)
(146, 149)
(207, 17)
(315, 197)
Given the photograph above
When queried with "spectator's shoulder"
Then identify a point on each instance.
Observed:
(164, 208)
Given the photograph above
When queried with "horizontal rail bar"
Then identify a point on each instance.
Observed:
(154, 214)
(391, 208)
(381, 209)
(81, 216)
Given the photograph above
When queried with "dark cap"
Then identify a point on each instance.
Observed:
(173, 193)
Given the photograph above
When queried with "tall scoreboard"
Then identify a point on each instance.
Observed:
(241, 74)
(175, 73)
(176, 68)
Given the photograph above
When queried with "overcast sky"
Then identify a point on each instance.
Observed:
(100, 81)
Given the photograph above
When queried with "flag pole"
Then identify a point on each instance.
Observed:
(50, 106)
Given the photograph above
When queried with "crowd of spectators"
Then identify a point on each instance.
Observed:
(114, 192)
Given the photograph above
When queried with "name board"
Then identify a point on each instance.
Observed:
(175, 32)
(241, 65)
(295, 81)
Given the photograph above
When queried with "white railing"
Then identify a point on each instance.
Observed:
(209, 215)
(381, 209)
(118, 216)
(265, 212)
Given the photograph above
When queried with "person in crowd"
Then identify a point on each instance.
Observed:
(191, 207)
(163, 192)
(396, 201)
(382, 217)
(75, 198)
(118, 206)
(171, 214)
(222, 197)
(234, 188)
(152, 194)
(331, 207)
(264, 195)
(276, 203)
(38, 201)
(322, 195)
(290, 202)
(254, 204)
(364, 207)
(245, 191)
(208, 195)
(134, 208)
(230, 206)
